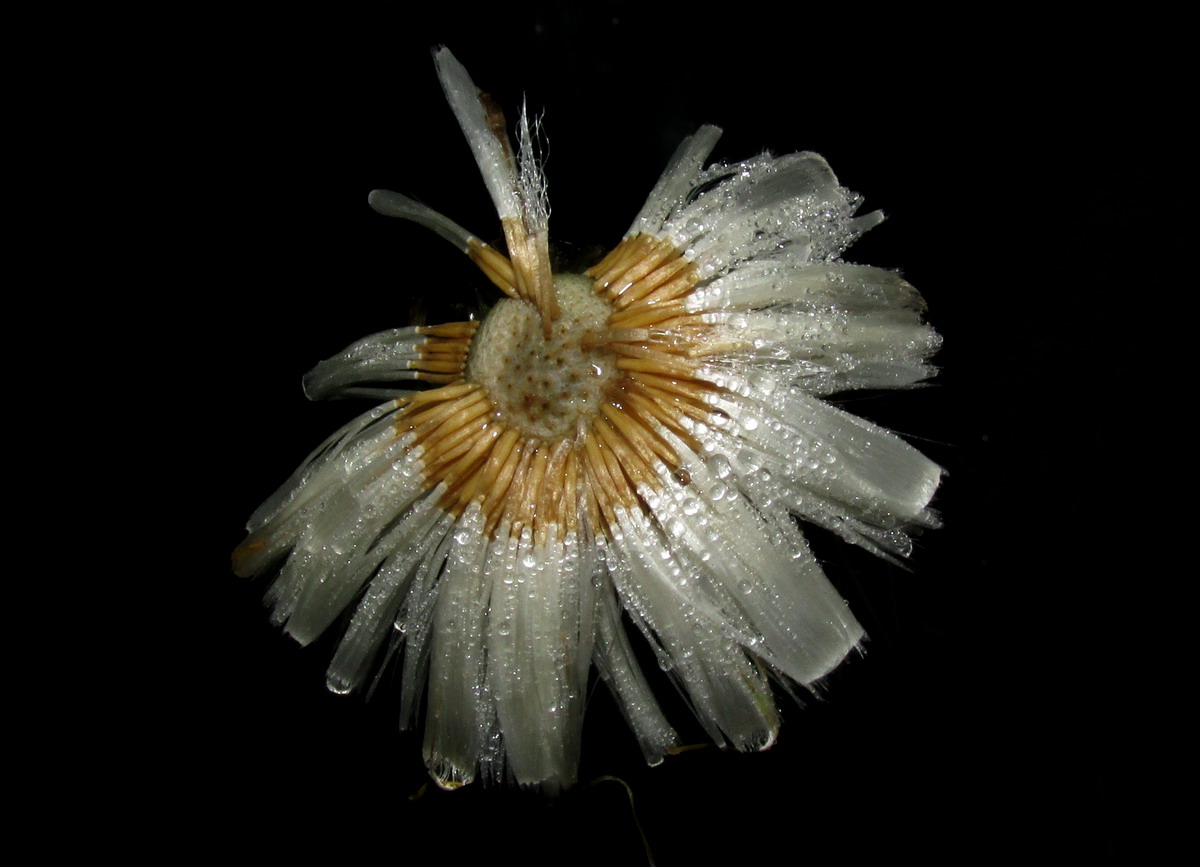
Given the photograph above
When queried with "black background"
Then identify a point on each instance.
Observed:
(1006, 154)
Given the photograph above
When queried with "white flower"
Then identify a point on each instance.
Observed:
(632, 441)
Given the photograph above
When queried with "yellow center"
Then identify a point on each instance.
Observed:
(544, 385)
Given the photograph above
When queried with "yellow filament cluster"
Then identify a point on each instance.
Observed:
(647, 280)
(442, 357)
(522, 480)
(495, 266)
(527, 275)
(530, 254)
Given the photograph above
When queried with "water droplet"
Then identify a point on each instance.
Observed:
(720, 466)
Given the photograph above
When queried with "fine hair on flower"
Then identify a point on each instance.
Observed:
(618, 452)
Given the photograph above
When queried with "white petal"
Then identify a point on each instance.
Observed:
(345, 544)
(762, 568)
(677, 180)
(729, 694)
(384, 357)
(414, 626)
(320, 469)
(491, 148)
(828, 466)
(539, 645)
(615, 660)
(460, 720)
(392, 204)
(376, 612)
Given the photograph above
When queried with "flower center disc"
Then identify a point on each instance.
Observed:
(544, 385)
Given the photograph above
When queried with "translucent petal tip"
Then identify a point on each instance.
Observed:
(388, 203)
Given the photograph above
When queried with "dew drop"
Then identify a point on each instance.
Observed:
(720, 466)
(749, 460)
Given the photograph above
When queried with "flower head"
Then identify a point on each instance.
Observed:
(630, 443)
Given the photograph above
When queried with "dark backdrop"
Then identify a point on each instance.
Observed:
(1005, 152)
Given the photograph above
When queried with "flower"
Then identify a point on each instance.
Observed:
(631, 444)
